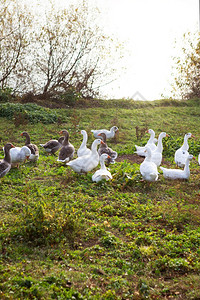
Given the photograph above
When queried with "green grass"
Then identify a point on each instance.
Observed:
(63, 236)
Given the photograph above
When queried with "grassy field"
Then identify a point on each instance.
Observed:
(63, 236)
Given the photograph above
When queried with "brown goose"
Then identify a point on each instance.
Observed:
(105, 149)
(53, 145)
(67, 151)
(34, 149)
(5, 163)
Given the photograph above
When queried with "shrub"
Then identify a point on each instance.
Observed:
(5, 94)
(70, 97)
(31, 112)
(41, 227)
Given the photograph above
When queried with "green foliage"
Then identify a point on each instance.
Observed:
(144, 289)
(171, 144)
(109, 241)
(5, 94)
(41, 227)
(70, 97)
(33, 113)
(63, 236)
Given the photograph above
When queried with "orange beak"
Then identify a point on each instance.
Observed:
(60, 132)
(102, 143)
(167, 135)
(109, 156)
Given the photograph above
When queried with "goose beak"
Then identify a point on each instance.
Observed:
(99, 134)
(60, 132)
(102, 143)
(194, 158)
(192, 136)
(12, 146)
(21, 134)
(167, 135)
(109, 156)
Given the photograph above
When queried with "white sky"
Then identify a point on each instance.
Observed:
(149, 29)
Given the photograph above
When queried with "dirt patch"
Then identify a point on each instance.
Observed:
(136, 159)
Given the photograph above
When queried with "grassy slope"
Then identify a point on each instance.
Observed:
(63, 236)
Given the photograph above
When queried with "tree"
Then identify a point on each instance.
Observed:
(187, 68)
(13, 42)
(64, 51)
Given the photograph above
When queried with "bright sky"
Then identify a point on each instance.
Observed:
(149, 29)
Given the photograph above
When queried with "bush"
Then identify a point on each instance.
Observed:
(42, 227)
(70, 97)
(5, 94)
(31, 112)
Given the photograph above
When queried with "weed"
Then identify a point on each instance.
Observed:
(41, 226)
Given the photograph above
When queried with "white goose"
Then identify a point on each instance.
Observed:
(156, 156)
(86, 163)
(19, 155)
(102, 173)
(151, 143)
(148, 169)
(109, 133)
(176, 173)
(83, 150)
(182, 153)
(34, 148)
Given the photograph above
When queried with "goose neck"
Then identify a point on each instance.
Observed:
(160, 145)
(7, 157)
(84, 139)
(148, 157)
(152, 136)
(28, 139)
(94, 147)
(102, 164)
(66, 140)
(187, 168)
(185, 143)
